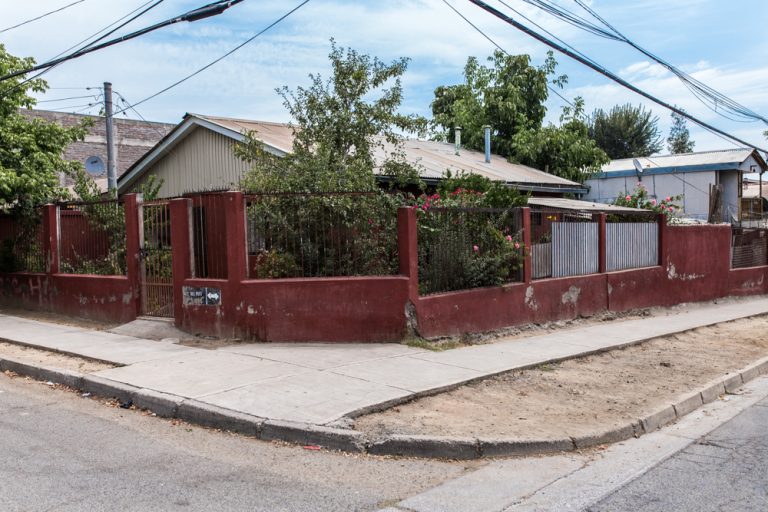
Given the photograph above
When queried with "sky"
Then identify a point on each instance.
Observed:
(718, 42)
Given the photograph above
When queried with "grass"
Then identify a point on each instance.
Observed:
(434, 346)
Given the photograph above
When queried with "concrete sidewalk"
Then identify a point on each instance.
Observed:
(322, 383)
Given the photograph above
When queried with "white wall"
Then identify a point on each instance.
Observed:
(693, 186)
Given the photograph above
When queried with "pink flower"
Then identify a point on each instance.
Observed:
(475, 248)
(509, 238)
(653, 202)
(628, 198)
(517, 245)
(671, 208)
(668, 199)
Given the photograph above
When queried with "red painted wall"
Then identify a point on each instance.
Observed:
(103, 298)
(361, 309)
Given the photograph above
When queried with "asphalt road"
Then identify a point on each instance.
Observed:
(726, 470)
(59, 451)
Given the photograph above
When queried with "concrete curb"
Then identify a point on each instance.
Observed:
(196, 412)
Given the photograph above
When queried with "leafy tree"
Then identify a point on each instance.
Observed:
(509, 96)
(31, 150)
(340, 124)
(679, 140)
(626, 131)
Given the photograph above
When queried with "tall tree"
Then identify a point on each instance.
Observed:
(339, 125)
(509, 95)
(679, 140)
(626, 131)
(31, 150)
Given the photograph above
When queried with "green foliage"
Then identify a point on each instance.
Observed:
(509, 96)
(639, 198)
(340, 123)
(30, 149)
(626, 131)
(493, 194)
(150, 188)
(679, 140)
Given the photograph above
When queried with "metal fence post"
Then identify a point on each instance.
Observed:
(51, 239)
(662, 221)
(527, 247)
(407, 249)
(602, 262)
(133, 227)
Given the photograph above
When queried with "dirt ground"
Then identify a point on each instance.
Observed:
(56, 318)
(50, 359)
(583, 395)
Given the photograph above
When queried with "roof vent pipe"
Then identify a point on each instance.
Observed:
(457, 139)
(487, 129)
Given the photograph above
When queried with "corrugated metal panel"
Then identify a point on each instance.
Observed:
(681, 160)
(202, 161)
(541, 260)
(631, 245)
(574, 248)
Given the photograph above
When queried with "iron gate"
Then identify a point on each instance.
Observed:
(156, 260)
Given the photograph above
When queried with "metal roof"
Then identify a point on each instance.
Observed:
(731, 159)
(430, 157)
(585, 206)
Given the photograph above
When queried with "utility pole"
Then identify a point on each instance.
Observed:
(111, 149)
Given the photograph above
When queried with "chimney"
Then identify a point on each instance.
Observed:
(487, 130)
(457, 139)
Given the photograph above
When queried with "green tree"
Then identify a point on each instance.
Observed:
(31, 150)
(509, 95)
(626, 131)
(339, 125)
(679, 140)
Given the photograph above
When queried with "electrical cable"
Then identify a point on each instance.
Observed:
(602, 70)
(230, 52)
(494, 43)
(68, 98)
(190, 16)
(41, 16)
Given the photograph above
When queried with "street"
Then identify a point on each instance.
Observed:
(726, 470)
(59, 451)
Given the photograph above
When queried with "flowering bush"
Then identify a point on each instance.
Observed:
(639, 198)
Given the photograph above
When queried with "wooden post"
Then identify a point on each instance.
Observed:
(408, 250)
(662, 221)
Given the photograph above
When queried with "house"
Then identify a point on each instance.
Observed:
(133, 138)
(690, 175)
(197, 156)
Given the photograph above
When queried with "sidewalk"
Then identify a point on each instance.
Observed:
(322, 383)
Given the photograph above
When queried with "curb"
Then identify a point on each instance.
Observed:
(347, 440)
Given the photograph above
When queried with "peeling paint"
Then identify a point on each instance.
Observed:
(127, 298)
(610, 288)
(530, 300)
(251, 310)
(571, 296)
(672, 274)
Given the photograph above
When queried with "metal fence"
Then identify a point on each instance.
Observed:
(21, 242)
(749, 247)
(463, 248)
(563, 243)
(92, 238)
(156, 260)
(317, 235)
(632, 241)
(209, 234)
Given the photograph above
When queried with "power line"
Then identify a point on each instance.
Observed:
(116, 22)
(190, 16)
(230, 52)
(494, 43)
(602, 70)
(41, 16)
(67, 98)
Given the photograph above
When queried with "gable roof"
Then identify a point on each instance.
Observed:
(724, 160)
(430, 157)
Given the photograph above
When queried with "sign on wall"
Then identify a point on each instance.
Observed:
(201, 296)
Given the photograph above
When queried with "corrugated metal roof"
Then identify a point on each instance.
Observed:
(586, 206)
(730, 157)
(431, 157)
